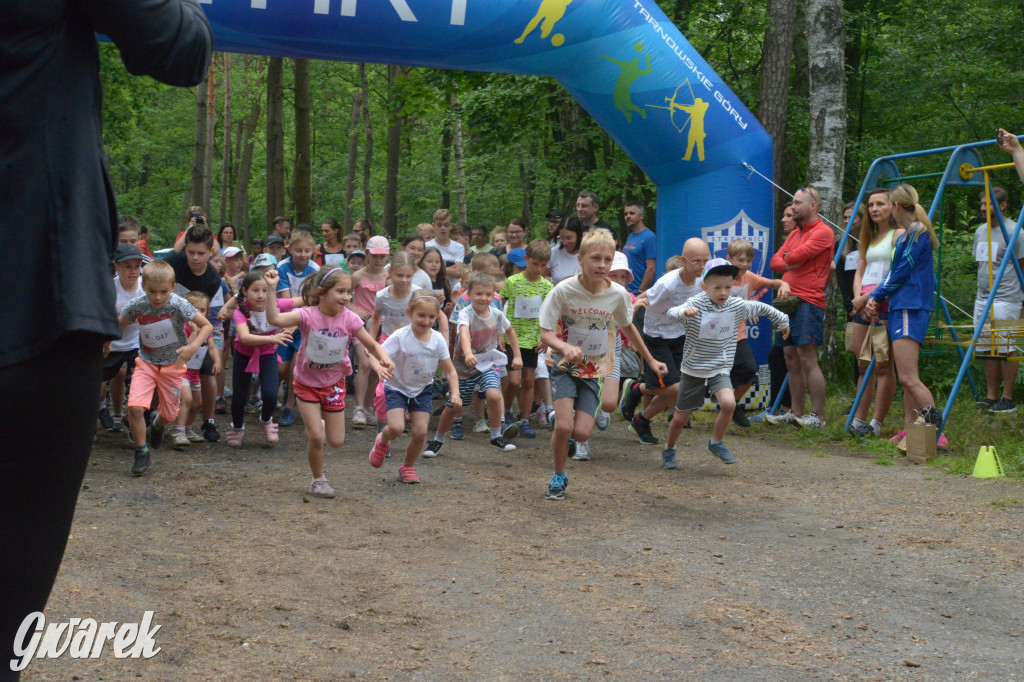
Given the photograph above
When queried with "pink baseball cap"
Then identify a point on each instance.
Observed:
(378, 245)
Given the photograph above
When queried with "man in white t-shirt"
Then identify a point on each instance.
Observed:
(989, 251)
(452, 251)
(121, 358)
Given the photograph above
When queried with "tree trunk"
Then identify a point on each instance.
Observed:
(389, 221)
(526, 183)
(368, 159)
(240, 212)
(353, 152)
(211, 132)
(225, 171)
(199, 147)
(303, 147)
(446, 158)
(460, 167)
(275, 139)
(826, 44)
(776, 62)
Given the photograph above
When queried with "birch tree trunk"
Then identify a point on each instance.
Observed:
(226, 189)
(368, 160)
(826, 45)
(446, 158)
(199, 147)
(389, 221)
(460, 166)
(303, 192)
(275, 139)
(353, 152)
(211, 132)
(776, 63)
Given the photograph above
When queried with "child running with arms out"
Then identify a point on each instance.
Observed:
(578, 321)
(322, 363)
(477, 360)
(416, 350)
(164, 349)
(256, 344)
(711, 319)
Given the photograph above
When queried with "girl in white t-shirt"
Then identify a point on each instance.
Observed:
(322, 363)
(416, 350)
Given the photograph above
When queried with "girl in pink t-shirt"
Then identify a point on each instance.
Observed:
(322, 363)
(256, 342)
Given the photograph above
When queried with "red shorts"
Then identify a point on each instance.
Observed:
(331, 398)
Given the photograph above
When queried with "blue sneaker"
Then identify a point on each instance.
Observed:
(721, 452)
(759, 417)
(287, 417)
(556, 489)
(509, 430)
(525, 430)
(668, 458)
(457, 432)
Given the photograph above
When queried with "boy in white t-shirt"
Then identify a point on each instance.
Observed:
(578, 322)
(118, 365)
(477, 359)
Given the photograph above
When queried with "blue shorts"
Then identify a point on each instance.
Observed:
(806, 327)
(482, 382)
(909, 324)
(880, 319)
(396, 400)
(287, 353)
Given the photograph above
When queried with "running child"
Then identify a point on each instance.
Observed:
(477, 360)
(321, 365)
(366, 284)
(256, 344)
(416, 350)
(293, 272)
(161, 315)
(578, 321)
(120, 361)
(191, 395)
(712, 319)
(523, 294)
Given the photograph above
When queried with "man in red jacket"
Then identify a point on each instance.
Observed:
(805, 260)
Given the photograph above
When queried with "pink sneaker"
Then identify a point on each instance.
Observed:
(407, 475)
(378, 453)
(898, 437)
(235, 437)
(269, 431)
(943, 442)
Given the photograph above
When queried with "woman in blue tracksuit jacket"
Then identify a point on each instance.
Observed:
(910, 288)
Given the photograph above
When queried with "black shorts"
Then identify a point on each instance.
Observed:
(529, 356)
(669, 351)
(744, 366)
(206, 369)
(113, 362)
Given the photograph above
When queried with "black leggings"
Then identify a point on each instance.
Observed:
(240, 387)
(744, 366)
(49, 409)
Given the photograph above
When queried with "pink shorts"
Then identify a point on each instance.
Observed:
(330, 398)
(164, 380)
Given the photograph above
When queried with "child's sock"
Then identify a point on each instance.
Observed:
(718, 442)
(495, 433)
(179, 428)
(438, 437)
(857, 421)
(457, 420)
(876, 426)
(141, 448)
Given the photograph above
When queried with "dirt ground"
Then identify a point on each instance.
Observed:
(791, 564)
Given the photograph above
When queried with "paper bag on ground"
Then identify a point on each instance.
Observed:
(920, 442)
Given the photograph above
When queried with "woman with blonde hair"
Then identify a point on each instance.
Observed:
(878, 234)
(910, 288)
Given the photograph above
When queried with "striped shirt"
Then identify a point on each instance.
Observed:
(711, 334)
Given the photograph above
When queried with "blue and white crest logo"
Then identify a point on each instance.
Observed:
(719, 236)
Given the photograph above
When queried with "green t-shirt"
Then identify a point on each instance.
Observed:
(523, 310)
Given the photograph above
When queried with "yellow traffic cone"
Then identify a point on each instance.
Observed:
(988, 464)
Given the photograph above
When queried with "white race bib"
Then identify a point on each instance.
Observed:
(218, 299)
(258, 323)
(334, 259)
(197, 360)
(873, 274)
(295, 284)
(981, 252)
(421, 369)
(326, 350)
(528, 307)
(591, 341)
(158, 334)
(742, 292)
(717, 326)
(852, 260)
(490, 358)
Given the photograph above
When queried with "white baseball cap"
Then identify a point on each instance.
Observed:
(620, 262)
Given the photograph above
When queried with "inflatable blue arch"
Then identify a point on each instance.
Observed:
(623, 60)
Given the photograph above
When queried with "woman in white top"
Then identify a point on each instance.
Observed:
(877, 237)
(564, 261)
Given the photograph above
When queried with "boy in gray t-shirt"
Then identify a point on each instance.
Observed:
(989, 250)
(163, 351)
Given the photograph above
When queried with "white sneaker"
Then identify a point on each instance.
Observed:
(811, 421)
(582, 451)
(358, 417)
(194, 436)
(784, 418)
(602, 419)
(481, 426)
(180, 440)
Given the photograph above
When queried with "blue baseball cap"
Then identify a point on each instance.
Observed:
(264, 259)
(517, 257)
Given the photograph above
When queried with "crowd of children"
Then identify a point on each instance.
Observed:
(342, 317)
